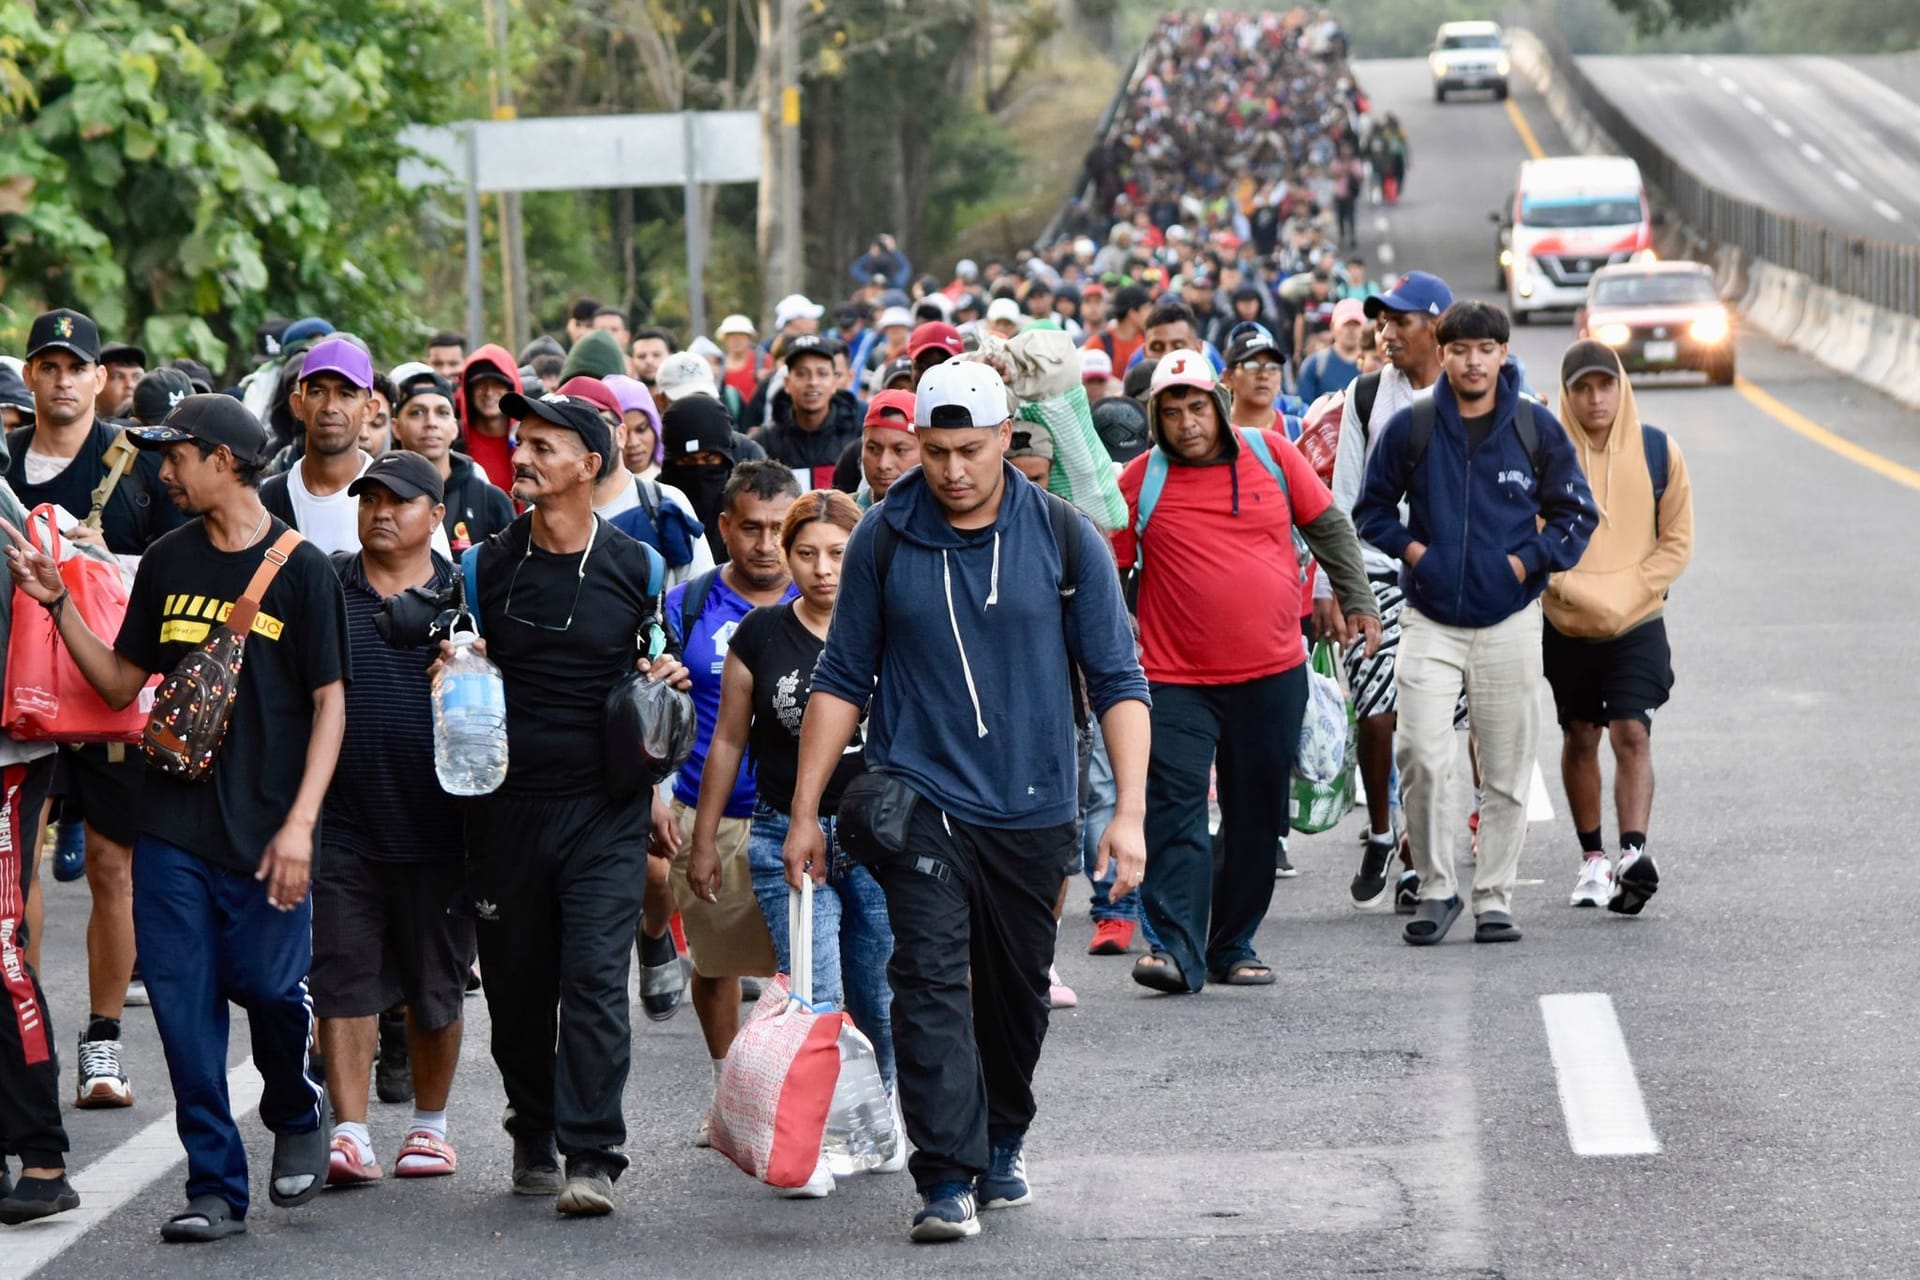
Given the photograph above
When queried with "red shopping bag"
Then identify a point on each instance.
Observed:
(47, 699)
(776, 1085)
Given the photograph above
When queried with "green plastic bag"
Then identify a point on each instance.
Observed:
(1319, 806)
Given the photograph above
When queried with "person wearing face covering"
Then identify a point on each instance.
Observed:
(697, 439)
(1604, 643)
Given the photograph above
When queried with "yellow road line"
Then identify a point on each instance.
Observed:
(1525, 130)
(1791, 419)
(1803, 425)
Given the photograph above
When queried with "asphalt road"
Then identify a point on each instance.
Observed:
(1830, 139)
(1382, 1110)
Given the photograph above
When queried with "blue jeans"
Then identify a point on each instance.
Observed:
(852, 940)
(207, 938)
(1095, 813)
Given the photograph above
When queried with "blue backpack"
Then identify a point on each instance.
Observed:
(664, 526)
(470, 579)
(1156, 480)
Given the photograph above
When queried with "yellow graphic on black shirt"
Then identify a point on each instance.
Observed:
(188, 619)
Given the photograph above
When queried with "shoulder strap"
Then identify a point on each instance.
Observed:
(341, 561)
(470, 584)
(240, 619)
(1065, 520)
(1150, 486)
(1366, 390)
(694, 602)
(656, 571)
(649, 499)
(1257, 441)
(118, 457)
(1529, 429)
(1654, 441)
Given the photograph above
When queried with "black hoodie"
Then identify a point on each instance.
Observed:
(811, 454)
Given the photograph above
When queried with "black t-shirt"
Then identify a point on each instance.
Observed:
(1478, 429)
(558, 674)
(298, 644)
(139, 510)
(847, 473)
(780, 652)
(385, 803)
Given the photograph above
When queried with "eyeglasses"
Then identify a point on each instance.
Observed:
(578, 584)
(1260, 366)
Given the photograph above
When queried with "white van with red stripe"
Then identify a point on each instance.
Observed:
(1569, 217)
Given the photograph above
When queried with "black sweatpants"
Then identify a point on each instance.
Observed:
(555, 887)
(29, 1068)
(967, 900)
(1248, 734)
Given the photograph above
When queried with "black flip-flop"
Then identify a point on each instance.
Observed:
(1431, 920)
(208, 1218)
(1161, 972)
(1247, 973)
(1495, 926)
(296, 1155)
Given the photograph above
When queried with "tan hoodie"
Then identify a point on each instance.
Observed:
(1635, 552)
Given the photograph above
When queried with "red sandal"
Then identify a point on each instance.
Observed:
(345, 1168)
(424, 1155)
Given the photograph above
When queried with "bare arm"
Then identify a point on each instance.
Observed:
(115, 679)
(1126, 728)
(287, 865)
(724, 752)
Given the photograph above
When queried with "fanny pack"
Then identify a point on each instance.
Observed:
(193, 705)
(875, 811)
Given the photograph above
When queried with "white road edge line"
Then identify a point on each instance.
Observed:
(1383, 255)
(1728, 84)
(1846, 179)
(1753, 104)
(1886, 210)
(115, 1178)
(1813, 153)
(1606, 1116)
(1781, 127)
(1539, 801)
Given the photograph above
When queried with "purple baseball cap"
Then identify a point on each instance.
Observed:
(337, 355)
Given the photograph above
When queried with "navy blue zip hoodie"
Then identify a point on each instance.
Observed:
(1472, 512)
(974, 706)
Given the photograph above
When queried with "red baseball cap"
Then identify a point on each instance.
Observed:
(935, 333)
(593, 391)
(897, 402)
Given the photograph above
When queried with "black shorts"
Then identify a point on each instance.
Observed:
(386, 933)
(1599, 681)
(106, 793)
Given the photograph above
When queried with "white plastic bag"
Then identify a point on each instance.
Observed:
(1323, 729)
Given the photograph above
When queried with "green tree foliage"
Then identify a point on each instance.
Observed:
(182, 169)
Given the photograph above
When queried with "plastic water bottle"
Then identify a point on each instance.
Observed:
(469, 720)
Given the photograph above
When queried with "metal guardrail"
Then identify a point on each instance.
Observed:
(1085, 181)
(1879, 272)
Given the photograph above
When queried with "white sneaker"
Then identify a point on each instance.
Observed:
(137, 995)
(818, 1187)
(704, 1137)
(1595, 885)
(1059, 994)
(102, 1081)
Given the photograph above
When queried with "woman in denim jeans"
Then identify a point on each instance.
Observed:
(764, 688)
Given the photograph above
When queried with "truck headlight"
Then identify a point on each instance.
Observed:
(1503, 66)
(1709, 329)
(1614, 335)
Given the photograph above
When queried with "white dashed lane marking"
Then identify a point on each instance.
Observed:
(1606, 1116)
(1886, 210)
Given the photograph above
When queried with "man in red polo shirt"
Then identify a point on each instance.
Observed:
(1218, 596)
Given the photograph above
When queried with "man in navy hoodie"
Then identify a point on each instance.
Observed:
(1496, 502)
(974, 635)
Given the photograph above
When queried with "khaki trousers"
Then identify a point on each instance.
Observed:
(1499, 667)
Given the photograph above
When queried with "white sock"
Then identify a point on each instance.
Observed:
(362, 1140)
(433, 1122)
(717, 1064)
(1477, 798)
(1381, 837)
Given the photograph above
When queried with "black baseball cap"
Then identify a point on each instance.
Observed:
(402, 472)
(123, 353)
(424, 383)
(156, 394)
(901, 368)
(216, 419)
(576, 415)
(66, 330)
(810, 344)
(1587, 356)
(198, 374)
(13, 392)
(1252, 342)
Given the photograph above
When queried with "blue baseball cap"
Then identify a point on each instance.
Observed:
(337, 355)
(1417, 291)
(305, 330)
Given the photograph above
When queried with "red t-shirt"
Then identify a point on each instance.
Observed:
(1220, 597)
(493, 455)
(1119, 348)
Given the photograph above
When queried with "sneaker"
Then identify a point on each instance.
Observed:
(536, 1166)
(751, 989)
(1634, 881)
(1059, 994)
(1406, 893)
(1369, 886)
(1004, 1184)
(137, 990)
(34, 1198)
(103, 1083)
(473, 979)
(588, 1192)
(703, 1136)
(392, 1067)
(947, 1213)
(70, 852)
(1595, 884)
(817, 1187)
(663, 981)
(1111, 938)
(1283, 868)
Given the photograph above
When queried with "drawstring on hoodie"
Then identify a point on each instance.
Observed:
(953, 620)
